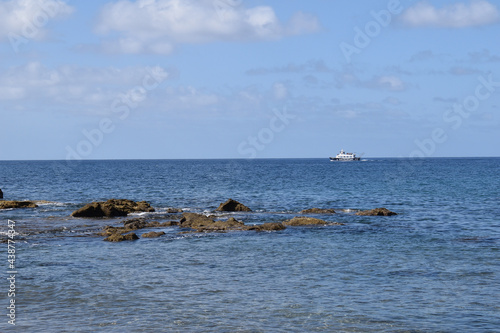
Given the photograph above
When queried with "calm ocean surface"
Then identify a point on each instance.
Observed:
(435, 267)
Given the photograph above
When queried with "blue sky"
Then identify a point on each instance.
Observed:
(248, 79)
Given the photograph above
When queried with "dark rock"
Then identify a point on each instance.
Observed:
(317, 211)
(174, 210)
(17, 204)
(300, 220)
(117, 237)
(233, 206)
(271, 226)
(153, 234)
(135, 224)
(112, 208)
(376, 212)
(1, 194)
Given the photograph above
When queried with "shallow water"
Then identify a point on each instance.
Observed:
(432, 268)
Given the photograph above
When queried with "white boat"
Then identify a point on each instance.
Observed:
(343, 156)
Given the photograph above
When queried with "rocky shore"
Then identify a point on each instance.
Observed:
(187, 222)
(200, 223)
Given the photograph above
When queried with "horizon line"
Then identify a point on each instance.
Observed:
(228, 158)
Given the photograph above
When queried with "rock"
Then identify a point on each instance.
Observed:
(116, 237)
(222, 226)
(174, 210)
(112, 208)
(193, 220)
(317, 211)
(300, 220)
(17, 204)
(232, 206)
(376, 212)
(270, 226)
(1, 194)
(156, 224)
(202, 223)
(135, 224)
(153, 234)
(110, 230)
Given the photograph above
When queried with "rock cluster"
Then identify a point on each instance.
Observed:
(195, 222)
(112, 208)
(203, 223)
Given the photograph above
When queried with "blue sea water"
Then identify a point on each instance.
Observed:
(434, 267)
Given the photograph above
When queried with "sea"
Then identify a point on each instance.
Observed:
(434, 267)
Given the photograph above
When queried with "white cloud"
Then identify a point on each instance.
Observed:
(156, 26)
(390, 82)
(72, 88)
(280, 91)
(458, 15)
(27, 18)
(93, 91)
(347, 78)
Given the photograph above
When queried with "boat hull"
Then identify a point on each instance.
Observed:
(345, 159)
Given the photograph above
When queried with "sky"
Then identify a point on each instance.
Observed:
(175, 79)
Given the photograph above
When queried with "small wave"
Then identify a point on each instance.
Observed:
(139, 213)
(348, 210)
(51, 203)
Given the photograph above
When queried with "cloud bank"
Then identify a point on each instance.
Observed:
(156, 26)
(458, 15)
(70, 88)
(28, 18)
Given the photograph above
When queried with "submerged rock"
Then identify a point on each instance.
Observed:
(112, 208)
(317, 211)
(232, 206)
(17, 204)
(156, 224)
(153, 234)
(134, 224)
(202, 223)
(376, 212)
(270, 226)
(301, 220)
(117, 237)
